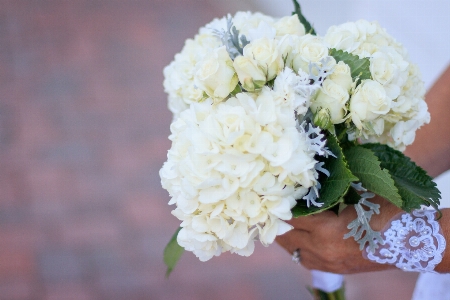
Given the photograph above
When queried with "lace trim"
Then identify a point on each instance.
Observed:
(413, 243)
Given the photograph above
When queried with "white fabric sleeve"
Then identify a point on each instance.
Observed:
(413, 242)
(431, 286)
(327, 282)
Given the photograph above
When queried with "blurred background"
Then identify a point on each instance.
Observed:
(83, 133)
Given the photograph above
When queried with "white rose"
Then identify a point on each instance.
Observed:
(322, 118)
(192, 94)
(368, 102)
(267, 56)
(332, 97)
(289, 25)
(215, 74)
(381, 68)
(286, 46)
(390, 69)
(342, 75)
(250, 75)
(309, 49)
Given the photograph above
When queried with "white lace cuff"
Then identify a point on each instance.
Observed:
(414, 242)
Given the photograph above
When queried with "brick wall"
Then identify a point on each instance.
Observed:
(83, 133)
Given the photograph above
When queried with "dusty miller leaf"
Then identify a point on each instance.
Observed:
(172, 253)
(414, 185)
(360, 226)
(332, 187)
(360, 67)
(366, 166)
(231, 39)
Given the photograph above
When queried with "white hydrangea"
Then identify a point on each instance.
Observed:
(236, 168)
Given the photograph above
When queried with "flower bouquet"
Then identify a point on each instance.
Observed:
(272, 121)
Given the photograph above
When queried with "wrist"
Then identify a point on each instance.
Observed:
(444, 265)
(388, 211)
(412, 242)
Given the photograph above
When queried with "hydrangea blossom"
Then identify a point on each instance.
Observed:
(236, 168)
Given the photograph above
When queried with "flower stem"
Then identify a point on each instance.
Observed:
(322, 295)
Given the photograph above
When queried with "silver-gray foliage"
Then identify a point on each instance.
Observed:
(360, 226)
(230, 38)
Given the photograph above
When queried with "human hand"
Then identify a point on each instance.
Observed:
(320, 239)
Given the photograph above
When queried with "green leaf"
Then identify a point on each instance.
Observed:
(364, 164)
(360, 67)
(172, 253)
(298, 12)
(414, 185)
(352, 197)
(333, 187)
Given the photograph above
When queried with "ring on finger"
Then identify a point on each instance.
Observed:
(296, 256)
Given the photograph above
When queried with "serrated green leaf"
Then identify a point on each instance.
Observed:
(360, 67)
(298, 12)
(333, 187)
(172, 253)
(414, 185)
(365, 164)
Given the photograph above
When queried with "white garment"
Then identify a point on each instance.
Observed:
(443, 184)
(423, 27)
(328, 282)
(439, 289)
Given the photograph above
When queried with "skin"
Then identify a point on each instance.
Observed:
(320, 237)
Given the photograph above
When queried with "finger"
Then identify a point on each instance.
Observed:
(308, 223)
(311, 262)
(293, 240)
